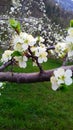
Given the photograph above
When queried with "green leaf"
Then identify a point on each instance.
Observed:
(16, 53)
(71, 23)
(15, 25)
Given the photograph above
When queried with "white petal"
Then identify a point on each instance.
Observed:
(70, 54)
(68, 81)
(45, 59)
(70, 31)
(68, 73)
(25, 58)
(60, 81)
(69, 38)
(59, 72)
(55, 86)
(37, 53)
(25, 46)
(22, 64)
(1, 84)
(40, 60)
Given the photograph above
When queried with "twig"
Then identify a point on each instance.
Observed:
(65, 60)
(5, 65)
(50, 48)
(36, 59)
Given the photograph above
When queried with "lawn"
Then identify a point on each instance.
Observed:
(36, 106)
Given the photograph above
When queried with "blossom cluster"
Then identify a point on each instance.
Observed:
(61, 77)
(21, 44)
(69, 40)
(66, 47)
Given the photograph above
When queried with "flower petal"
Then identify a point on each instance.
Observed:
(68, 81)
(55, 86)
(68, 73)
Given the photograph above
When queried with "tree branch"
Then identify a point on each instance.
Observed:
(65, 60)
(5, 65)
(36, 59)
(51, 48)
(30, 77)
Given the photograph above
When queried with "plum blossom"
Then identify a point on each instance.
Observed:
(16, 3)
(61, 77)
(17, 39)
(61, 49)
(21, 61)
(41, 54)
(70, 54)
(70, 50)
(69, 40)
(70, 31)
(1, 84)
(6, 56)
(18, 47)
(17, 43)
(22, 41)
(29, 40)
(12, 9)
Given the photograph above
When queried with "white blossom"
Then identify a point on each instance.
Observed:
(28, 40)
(18, 47)
(22, 61)
(70, 54)
(70, 31)
(16, 39)
(1, 84)
(61, 77)
(41, 54)
(61, 49)
(69, 39)
(12, 9)
(6, 56)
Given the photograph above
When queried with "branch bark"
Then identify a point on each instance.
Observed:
(30, 77)
(5, 65)
(51, 48)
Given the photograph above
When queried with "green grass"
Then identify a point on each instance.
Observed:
(36, 106)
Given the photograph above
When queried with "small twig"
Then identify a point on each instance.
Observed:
(50, 48)
(36, 59)
(65, 60)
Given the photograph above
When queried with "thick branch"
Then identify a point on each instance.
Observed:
(30, 77)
